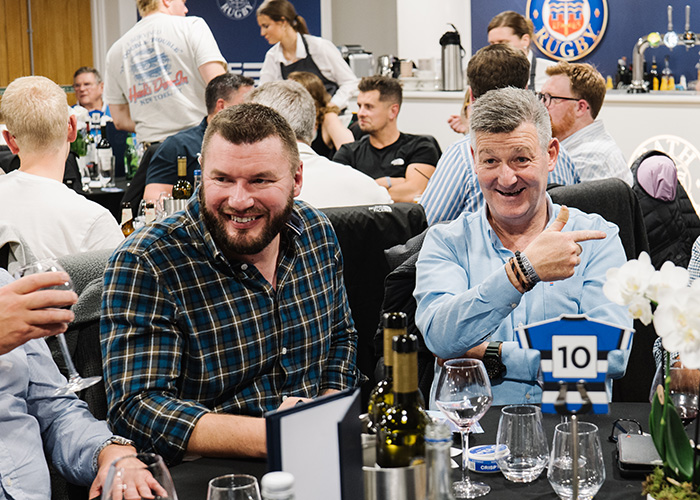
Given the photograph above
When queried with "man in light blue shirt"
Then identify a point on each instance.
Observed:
(33, 419)
(519, 259)
(453, 188)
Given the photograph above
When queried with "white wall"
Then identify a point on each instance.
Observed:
(110, 20)
(421, 24)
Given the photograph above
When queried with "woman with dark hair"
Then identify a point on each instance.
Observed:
(330, 131)
(294, 49)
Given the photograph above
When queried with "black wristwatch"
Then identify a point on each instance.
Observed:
(492, 361)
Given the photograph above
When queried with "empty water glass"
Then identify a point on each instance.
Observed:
(234, 487)
(520, 431)
(591, 470)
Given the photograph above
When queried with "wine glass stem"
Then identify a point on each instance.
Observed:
(465, 454)
(72, 372)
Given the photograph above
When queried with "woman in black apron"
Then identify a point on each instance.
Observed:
(287, 32)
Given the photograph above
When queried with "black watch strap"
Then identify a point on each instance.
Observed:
(492, 361)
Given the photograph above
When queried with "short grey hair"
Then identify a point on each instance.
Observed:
(503, 110)
(291, 100)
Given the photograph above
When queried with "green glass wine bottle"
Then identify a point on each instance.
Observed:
(182, 189)
(394, 323)
(401, 434)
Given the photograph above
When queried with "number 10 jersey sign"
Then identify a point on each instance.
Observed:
(573, 348)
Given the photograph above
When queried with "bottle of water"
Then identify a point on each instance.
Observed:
(277, 486)
(197, 178)
(438, 440)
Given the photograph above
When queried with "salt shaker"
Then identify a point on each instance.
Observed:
(438, 439)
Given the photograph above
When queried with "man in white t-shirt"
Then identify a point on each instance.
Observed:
(52, 219)
(326, 183)
(157, 71)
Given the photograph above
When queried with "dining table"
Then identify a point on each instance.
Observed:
(192, 477)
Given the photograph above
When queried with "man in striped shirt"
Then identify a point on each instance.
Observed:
(573, 95)
(453, 188)
(234, 307)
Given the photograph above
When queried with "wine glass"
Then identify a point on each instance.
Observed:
(75, 383)
(463, 395)
(591, 471)
(233, 487)
(143, 475)
(684, 390)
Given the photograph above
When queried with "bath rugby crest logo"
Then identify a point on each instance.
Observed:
(568, 29)
(237, 9)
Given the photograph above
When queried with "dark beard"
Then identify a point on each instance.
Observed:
(234, 247)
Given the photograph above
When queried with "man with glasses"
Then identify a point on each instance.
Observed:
(573, 95)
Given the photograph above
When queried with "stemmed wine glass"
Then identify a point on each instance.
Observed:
(75, 383)
(143, 475)
(464, 395)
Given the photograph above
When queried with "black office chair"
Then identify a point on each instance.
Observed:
(364, 232)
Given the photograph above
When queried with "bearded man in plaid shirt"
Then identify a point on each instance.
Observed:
(232, 308)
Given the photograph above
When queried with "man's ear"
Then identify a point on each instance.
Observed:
(72, 128)
(10, 141)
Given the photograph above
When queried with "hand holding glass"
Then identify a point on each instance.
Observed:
(75, 382)
(463, 395)
(143, 476)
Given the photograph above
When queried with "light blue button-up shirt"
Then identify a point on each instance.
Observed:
(464, 296)
(34, 420)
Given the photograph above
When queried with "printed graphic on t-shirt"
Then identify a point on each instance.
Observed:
(151, 70)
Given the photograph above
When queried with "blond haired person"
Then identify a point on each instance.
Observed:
(52, 219)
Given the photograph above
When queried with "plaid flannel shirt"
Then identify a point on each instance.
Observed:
(186, 332)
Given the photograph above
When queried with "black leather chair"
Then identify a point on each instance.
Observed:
(364, 232)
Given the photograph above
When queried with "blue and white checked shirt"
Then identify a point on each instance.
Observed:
(454, 188)
(186, 332)
(596, 154)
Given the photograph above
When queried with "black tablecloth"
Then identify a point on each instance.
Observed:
(191, 478)
(111, 200)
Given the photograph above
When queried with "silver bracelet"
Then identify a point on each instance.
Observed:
(530, 272)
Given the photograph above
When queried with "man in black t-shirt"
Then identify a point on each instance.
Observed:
(400, 162)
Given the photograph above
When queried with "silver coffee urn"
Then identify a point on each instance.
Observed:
(452, 54)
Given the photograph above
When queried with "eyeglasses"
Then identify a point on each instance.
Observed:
(624, 426)
(547, 98)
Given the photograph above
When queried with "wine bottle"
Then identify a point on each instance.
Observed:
(401, 435)
(131, 160)
(654, 75)
(182, 189)
(381, 397)
(104, 158)
(127, 223)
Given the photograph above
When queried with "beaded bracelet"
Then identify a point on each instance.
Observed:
(518, 276)
(527, 269)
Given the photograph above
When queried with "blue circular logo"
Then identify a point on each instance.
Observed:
(568, 30)
(237, 9)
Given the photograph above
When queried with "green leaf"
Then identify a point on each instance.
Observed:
(679, 453)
